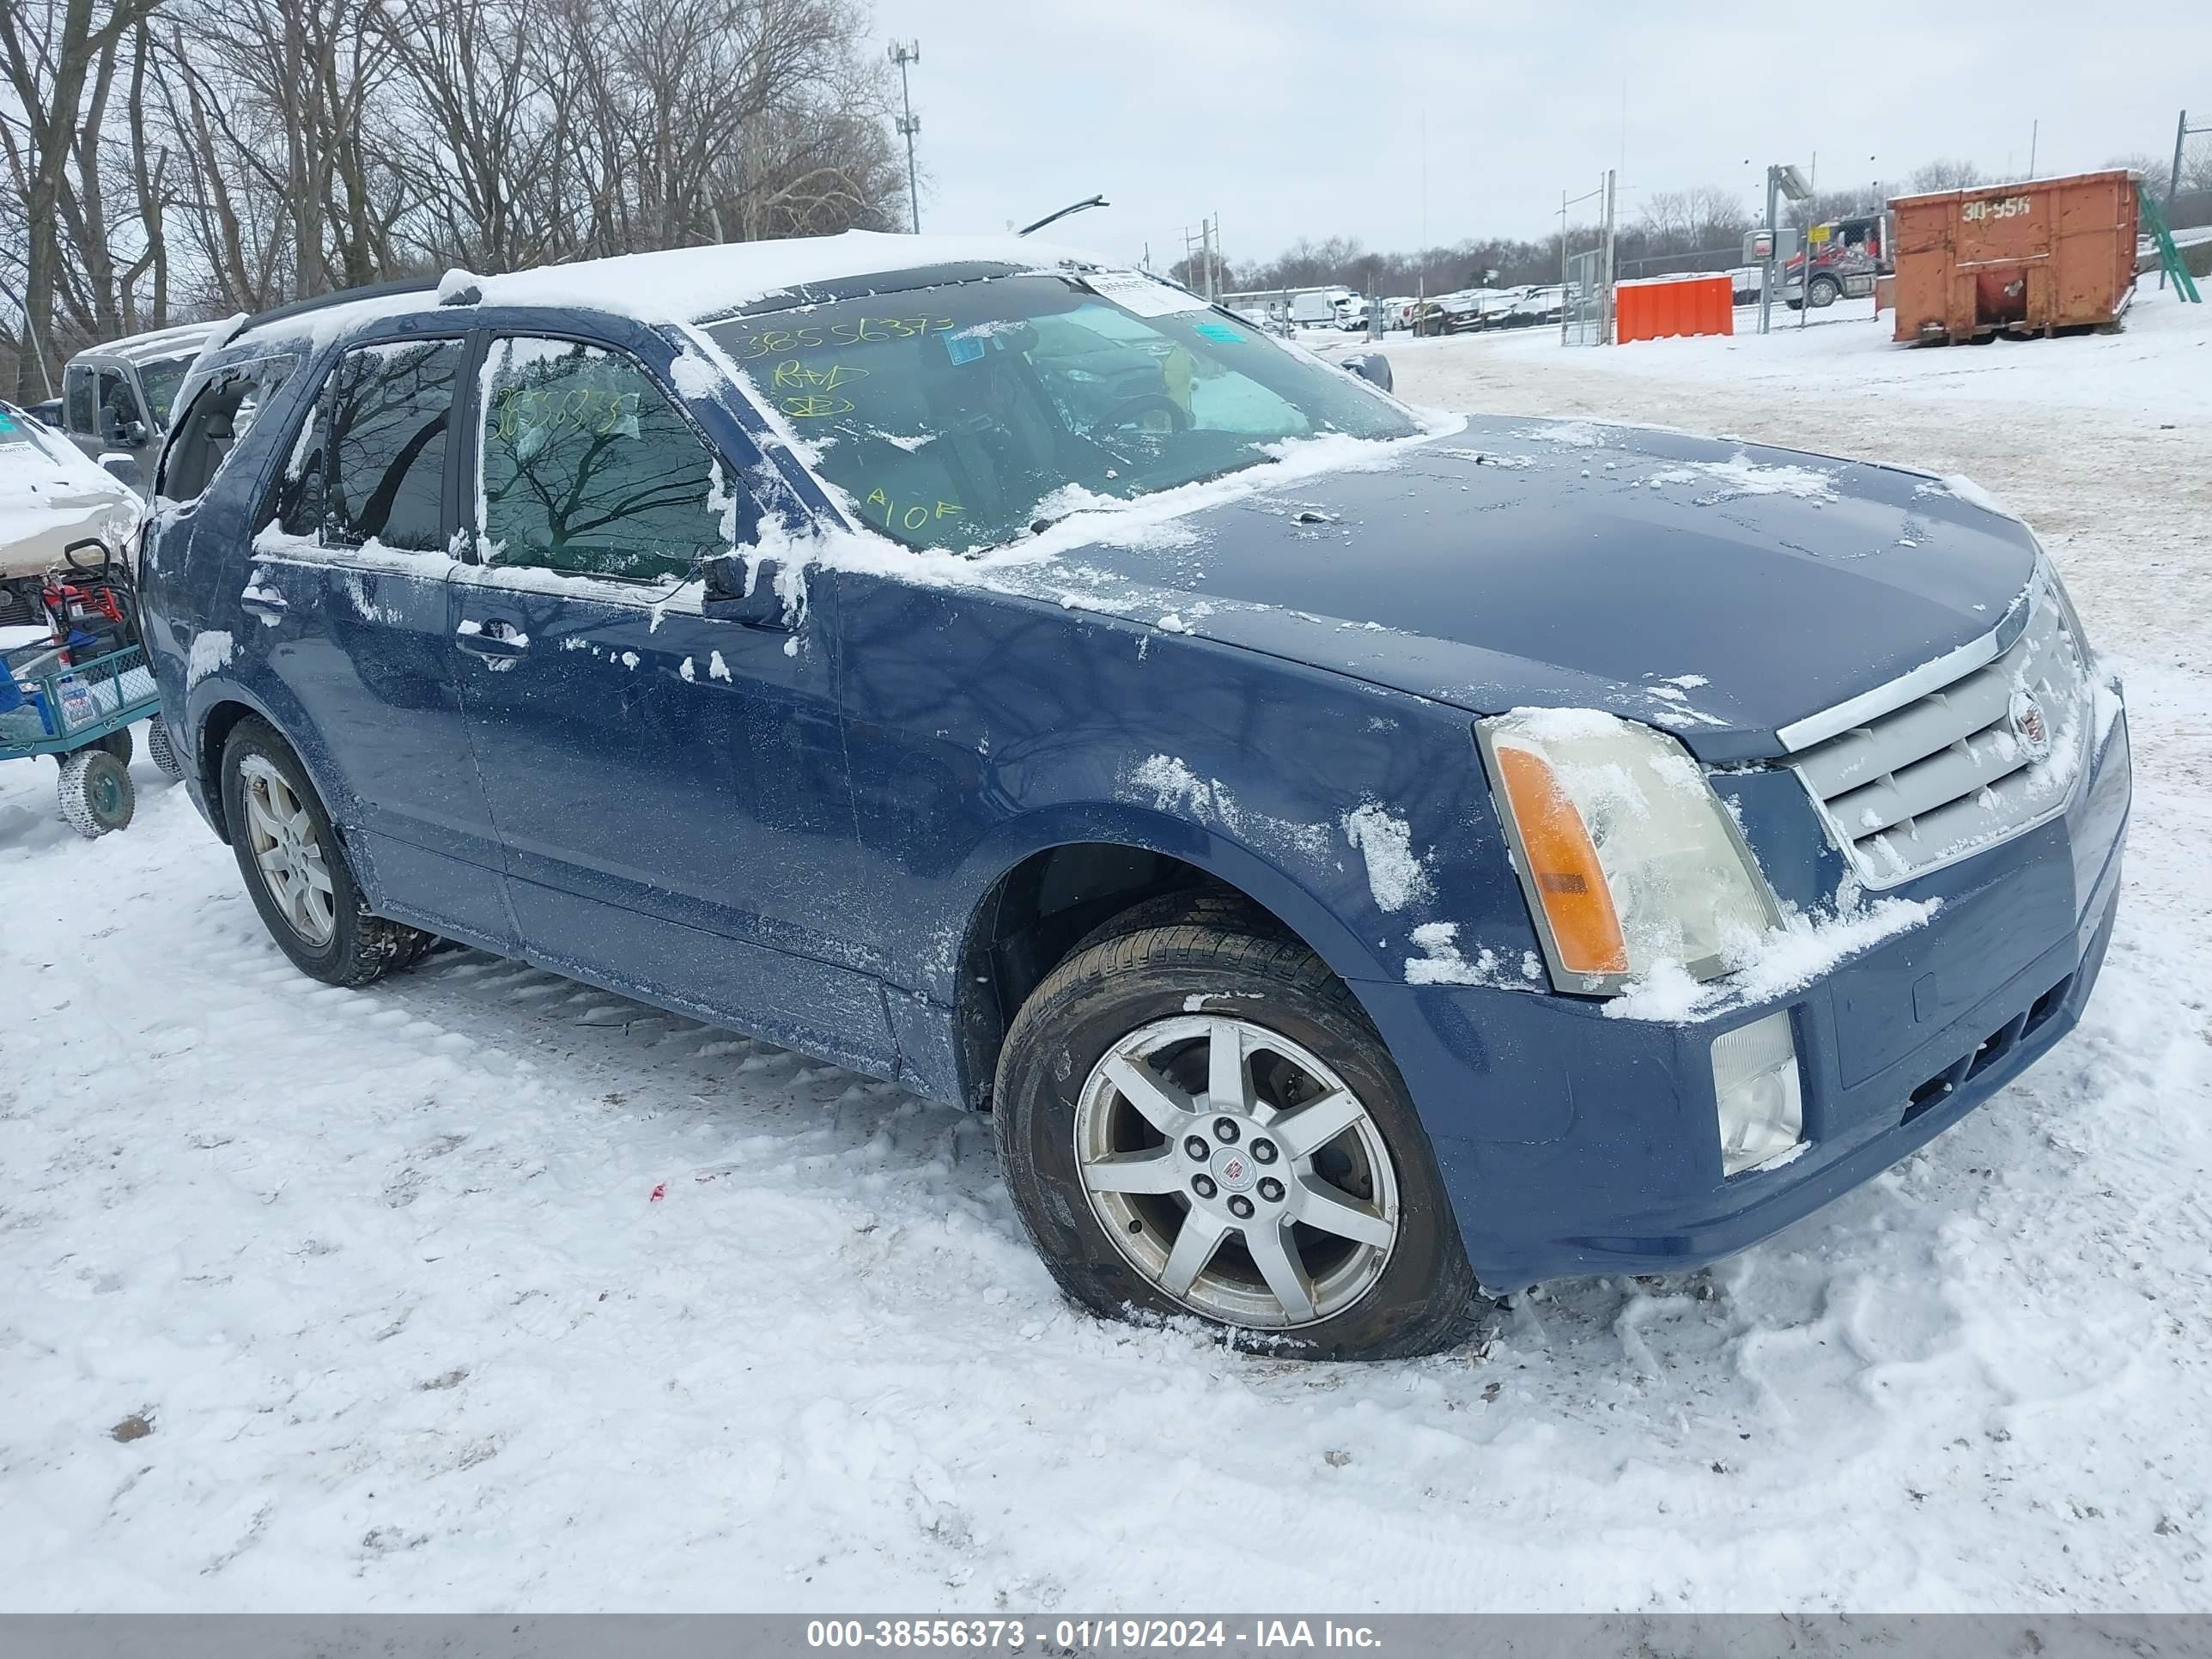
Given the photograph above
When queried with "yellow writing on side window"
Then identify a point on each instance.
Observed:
(566, 409)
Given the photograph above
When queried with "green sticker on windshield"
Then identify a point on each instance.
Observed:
(1220, 331)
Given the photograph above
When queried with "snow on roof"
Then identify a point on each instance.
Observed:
(682, 285)
(685, 284)
(158, 343)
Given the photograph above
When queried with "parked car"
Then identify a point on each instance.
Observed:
(116, 397)
(53, 499)
(1347, 866)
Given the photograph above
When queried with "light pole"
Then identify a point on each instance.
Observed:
(903, 52)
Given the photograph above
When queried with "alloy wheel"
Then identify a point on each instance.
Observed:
(281, 838)
(1235, 1171)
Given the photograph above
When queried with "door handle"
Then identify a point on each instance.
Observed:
(262, 603)
(491, 639)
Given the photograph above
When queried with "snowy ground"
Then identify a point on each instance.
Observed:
(480, 1289)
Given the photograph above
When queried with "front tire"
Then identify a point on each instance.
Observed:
(295, 867)
(1200, 1120)
(1823, 292)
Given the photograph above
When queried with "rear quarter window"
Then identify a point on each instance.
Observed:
(221, 412)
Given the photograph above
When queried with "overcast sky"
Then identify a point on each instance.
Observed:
(1297, 119)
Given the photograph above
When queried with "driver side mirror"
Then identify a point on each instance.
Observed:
(730, 598)
(133, 433)
(1371, 367)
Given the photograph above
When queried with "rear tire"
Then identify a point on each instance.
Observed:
(162, 751)
(118, 744)
(1376, 1268)
(95, 788)
(297, 871)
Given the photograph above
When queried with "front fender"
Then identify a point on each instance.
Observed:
(1298, 892)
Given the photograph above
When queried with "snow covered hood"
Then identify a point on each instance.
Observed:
(51, 495)
(1717, 589)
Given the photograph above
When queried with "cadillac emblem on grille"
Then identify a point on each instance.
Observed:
(2029, 726)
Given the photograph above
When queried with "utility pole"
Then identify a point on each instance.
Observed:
(2034, 136)
(903, 52)
(1607, 275)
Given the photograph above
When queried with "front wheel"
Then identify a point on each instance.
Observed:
(296, 870)
(1200, 1120)
(1823, 292)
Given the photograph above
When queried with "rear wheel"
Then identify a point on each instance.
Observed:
(1199, 1120)
(162, 751)
(118, 744)
(296, 869)
(95, 788)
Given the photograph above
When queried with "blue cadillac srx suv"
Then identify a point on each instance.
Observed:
(1353, 853)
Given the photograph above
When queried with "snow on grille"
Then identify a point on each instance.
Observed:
(1947, 772)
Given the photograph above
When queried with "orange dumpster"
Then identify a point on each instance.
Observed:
(1652, 308)
(2027, 259)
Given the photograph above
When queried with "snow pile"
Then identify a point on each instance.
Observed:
(211, 652)
(1441, 963)
(1786, 959)
(1172, 786)
(1965, 489)
(1395, 873)
(1740, 476)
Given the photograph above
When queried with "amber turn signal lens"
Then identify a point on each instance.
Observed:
(1569, 880)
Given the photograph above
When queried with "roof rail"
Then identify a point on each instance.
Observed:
(343, 296)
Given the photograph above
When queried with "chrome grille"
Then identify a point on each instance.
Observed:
(1915, 775)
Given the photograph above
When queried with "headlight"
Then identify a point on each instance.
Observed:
(1629, 860)
(2047, 573)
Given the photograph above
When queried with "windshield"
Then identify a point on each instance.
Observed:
(952, 414)
(161, 377)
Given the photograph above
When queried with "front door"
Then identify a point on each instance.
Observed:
(670, 787)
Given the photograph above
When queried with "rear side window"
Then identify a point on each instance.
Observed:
(588, 468)
(380, 442)
(77, 382)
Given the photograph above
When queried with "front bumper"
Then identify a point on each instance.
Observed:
(1575, 1143)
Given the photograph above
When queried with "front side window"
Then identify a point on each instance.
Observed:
(950, 415)
(118, 407)
(389, 409)
(77, 381)
(588, 468)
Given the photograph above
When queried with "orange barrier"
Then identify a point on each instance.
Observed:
(1661, 305)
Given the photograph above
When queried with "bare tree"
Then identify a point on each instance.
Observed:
(1946, 175)
(59, 58)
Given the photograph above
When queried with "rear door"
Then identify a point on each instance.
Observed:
(347, 607)
(670, 787)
